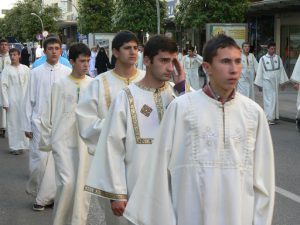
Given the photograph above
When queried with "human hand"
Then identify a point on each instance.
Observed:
(282, 87)
(118, 207)
(28, 134)
(296, 87)
(180, 75)
(6, 108)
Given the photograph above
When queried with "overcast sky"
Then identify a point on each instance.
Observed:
(6, 4)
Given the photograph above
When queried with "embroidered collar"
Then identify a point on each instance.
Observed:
(124, 78)
(163, 88)
(76, 80)
(210, 93)
(52, 67)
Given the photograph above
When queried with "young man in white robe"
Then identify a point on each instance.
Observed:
(14, 81)
(59, 133)
(132, 123)
(41, 166)
(212, 162)
(245, 85)
(4, 61)
(93, 106)
(191, 63)
(295, 78)
(270, 75)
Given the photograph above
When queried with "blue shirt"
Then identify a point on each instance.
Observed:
(43, 59)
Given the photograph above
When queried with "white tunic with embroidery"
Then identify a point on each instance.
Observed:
(296, 78)
(245, 85)
(94, 104)
(59, 133)
(270, 74)
(211, 164)
(41, 166)
(14, 80)
(191, 66)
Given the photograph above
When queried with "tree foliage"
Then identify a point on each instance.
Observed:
(196, 13)
(95, 16)
(137, 15)
(19, 22)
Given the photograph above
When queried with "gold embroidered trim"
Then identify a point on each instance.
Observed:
(106, 91)
(187, 87)
(104, 193)
(135, 122)
(127, 81)
(164, 87)
(159, 105)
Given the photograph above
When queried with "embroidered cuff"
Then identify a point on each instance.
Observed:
(180, 87)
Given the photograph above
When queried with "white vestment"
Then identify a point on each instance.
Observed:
(4, 61)
(210, 164)
(92, 68)
(296, 78)
(41, 166)
(246, 82)
(14, 80)
(191, 66)
(59, 133)
(270, 74)
(139, 64)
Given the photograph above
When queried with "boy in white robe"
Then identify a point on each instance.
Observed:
(93, 106)
(213, 161)
(4, 61)
(295, 78)
(60, 134)
(14, 80)
(41, 166)
(133, 120)
(245, 85)
(270, 75)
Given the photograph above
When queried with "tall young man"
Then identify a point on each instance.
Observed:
(295, 78)
(213, 159)
(41, 166)
(60, 134)
(14, 81)
(4, 61)
(245, 85)
(270, 75)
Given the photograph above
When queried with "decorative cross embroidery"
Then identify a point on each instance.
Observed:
(146, 110)
(209, 136)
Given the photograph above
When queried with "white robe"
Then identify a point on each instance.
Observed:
(14, 80)
(41, 166)
(245, 85)
(59, 133)
(296, 78)
(140, 65)
(4, 61)
(211, 164)
(270, 74)
(191, 66)
(92, 68)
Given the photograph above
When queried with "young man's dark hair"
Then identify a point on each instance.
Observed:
(3, 40)
(51, 40)
(220, 41)
(14, 50)
(191, 48)
(78, 49)
(245, 43)
(159, 43)
(123, 37)
(271, 44)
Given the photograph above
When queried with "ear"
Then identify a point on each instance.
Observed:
(115, 52)
(207, 67)
(146, 61)
(72, 62)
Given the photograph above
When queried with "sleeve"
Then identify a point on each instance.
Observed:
(259, 74)
(283, 76)
(88, 116)
(107, 176)
(4, 88)
(199, 59)
(150, 202)
(255, 63)
(296, 72)
(264, 174)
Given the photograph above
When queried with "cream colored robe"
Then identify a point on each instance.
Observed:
(270, 74)
(296, 78)
(59, 133)
(191, 66)
(211, 164)
(14, 81)
(245, 85)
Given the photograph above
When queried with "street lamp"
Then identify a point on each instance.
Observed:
(34, 14)
(158, 16)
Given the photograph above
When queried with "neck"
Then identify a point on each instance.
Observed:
(246, 53)
(52, 63)
(77, 75)
(15, 64)
(125, 71)
(150, 82)
(224, 94)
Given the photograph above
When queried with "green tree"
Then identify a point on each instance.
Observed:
(196, 13)
(95, 15)
(138, 15)
(20, 24)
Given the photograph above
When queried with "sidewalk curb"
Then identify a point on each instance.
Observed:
(286, 119)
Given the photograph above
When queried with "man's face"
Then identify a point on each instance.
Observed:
(4, 47)
(14, 57)
(127, 54)
(53, 52)
(225, 69)
(162, 65)
(190, 53)
(246, 48)
(81, 64)
(271, 50)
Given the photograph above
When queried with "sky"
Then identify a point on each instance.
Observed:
(6, 4)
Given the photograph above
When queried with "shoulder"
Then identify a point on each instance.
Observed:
(64, 68)
(248, 103)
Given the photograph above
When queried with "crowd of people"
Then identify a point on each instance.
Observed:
(141, 133)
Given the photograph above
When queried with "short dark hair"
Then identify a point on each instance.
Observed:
(245, 43)
(191, 48)
(3, 40)
(14, 50)
(77, 49)
(51, 40)
(220, 41)
(159, 43)
(271, 44)
(123, 37)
